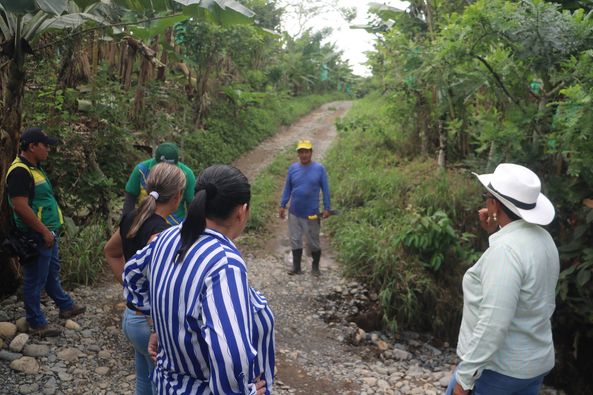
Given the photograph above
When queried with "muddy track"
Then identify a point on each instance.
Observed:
(304, 342)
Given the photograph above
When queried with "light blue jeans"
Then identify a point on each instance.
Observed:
(493, 383)
(136, 329)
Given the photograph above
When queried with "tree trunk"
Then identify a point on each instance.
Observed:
(75, 67)
(122, 60)
(491, 153)
(164, 57)
(10, 127)
(13, 88)
(442, 160)
(112, 57)
(139, 95)
(423, 123)
(128, 67)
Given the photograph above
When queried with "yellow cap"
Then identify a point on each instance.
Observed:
(304, 144)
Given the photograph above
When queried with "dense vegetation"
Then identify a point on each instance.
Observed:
(457, 86)
(462, 86)
(113, 79)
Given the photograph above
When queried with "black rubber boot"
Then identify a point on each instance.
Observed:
(316, 257)
(296, 261)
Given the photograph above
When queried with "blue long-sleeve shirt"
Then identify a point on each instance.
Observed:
(302, 187)
(215, 332)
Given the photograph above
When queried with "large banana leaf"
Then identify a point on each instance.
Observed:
(149, 30)
(69, 21)
(83, 4)
(18, 6)
(31, 24)
(385, 12)
(53, 7)
(224, 12)
(21, 7)
(220, 4)
(145, 5)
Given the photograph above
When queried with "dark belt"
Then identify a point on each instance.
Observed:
(132, 307)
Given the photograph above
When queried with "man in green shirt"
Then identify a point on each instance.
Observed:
(37, 215)
(136, 185)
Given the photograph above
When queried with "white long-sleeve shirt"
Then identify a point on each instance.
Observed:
(508, 300)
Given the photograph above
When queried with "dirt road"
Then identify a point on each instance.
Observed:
(304, 342)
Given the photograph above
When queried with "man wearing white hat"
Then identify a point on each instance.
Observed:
(505, 340)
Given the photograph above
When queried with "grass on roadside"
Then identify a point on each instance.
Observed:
(265, 196)
(406, 226)
(266, 190)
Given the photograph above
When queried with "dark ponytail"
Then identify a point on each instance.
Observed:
(219, 189)
(194, 224)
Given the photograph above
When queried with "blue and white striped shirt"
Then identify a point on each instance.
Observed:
(215, 332)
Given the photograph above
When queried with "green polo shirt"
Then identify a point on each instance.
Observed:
(136, 186)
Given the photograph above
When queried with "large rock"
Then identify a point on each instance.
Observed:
(69, 354)
(22, 325)
(102, 370)
(29, 388)
(382, 345)
(359, 336)
(36, 350)
(9, 356)
(444, 381)
(17, 344)
(401, 355)
(7, 330)
(50, 386)
(27, 365)
(72, 325)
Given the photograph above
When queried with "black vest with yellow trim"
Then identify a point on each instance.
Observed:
(43, 204)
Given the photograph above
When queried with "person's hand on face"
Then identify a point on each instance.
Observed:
(486, 215)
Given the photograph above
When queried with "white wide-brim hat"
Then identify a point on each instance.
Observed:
(519, 189)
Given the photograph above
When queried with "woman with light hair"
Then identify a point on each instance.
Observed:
(165, 186)
(505, 342)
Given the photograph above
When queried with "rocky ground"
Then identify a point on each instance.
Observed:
(326, 328)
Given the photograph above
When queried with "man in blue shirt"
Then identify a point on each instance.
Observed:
(304, 181)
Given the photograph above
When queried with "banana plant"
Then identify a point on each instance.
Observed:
(21, 22)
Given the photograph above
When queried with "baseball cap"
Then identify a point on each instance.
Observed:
(37, 135)
(304, 144)
(167, 152)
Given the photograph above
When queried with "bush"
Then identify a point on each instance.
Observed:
(264, 192)
(81, 251)
(403, 229)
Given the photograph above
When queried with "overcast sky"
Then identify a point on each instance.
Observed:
(354, 42)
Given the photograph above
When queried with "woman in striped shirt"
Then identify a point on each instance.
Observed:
(215, 333)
